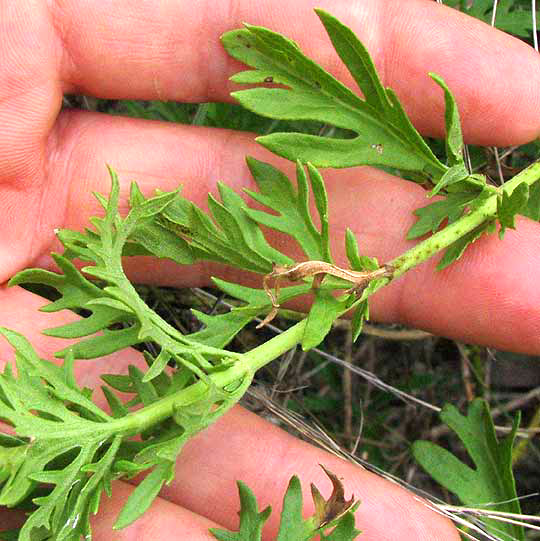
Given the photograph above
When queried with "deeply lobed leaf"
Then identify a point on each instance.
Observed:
(491, 482)
(333, 519)
(383, 133)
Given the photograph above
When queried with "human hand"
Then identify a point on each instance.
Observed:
(50, 162)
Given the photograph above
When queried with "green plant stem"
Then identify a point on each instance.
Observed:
(520, 449)
(250, 362)
(485, 212)
(247, 364)
(243, 368)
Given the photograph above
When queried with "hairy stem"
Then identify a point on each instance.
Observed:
(442, 239)
(250, 362)
(243, 368)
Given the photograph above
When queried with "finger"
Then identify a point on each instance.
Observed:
(19, 311)
(242, 446)
(51, 47)
(493, 276)
(113, 54)
(205, 478)
(161, 522)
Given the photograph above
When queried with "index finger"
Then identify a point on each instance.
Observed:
(171, 51)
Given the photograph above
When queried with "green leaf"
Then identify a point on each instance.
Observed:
(294, 218)
(162, 242)
(236, 238)
(454, 139)
(344, 531)
(219, 242)
(383, 133)
(491, 482)
(532, 210)
(357, 262)
(357, 59)
(117, 300)
(456, 249)
(232, 237)
(362, 310)
(144, 494)
(321, 202)
(292, 524)
(121, 383)
(158, 365)
(324, 311)
(357, 322)
(221, 329)
(253, 235)
(71, 446)
(117, 407)
(258, 297)
(144, 389)
(432, 216)
(510, 205)
(336, 513)
(456, 173)
(32, 368)
(518, 22)
(99, 345)
(251, 520)
(76, 292)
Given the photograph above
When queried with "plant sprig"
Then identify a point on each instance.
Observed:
(66, 450)
(384, 135)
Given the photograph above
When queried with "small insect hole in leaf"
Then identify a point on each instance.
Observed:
(378, 147)
(268, 79)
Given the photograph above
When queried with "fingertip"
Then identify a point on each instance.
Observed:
(494, 76)
(265, 458)
(489, 297)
